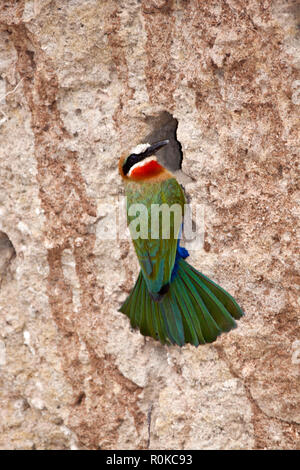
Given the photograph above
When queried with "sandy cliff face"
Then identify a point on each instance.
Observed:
(80, 81)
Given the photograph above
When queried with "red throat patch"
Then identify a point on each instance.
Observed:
(146, 171)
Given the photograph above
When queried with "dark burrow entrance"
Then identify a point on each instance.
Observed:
(165, 127)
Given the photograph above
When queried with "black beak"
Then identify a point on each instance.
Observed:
(155, 148)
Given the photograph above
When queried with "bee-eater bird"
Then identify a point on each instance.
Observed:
(171, 301)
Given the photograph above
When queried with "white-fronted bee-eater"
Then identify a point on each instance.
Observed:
(171, 301)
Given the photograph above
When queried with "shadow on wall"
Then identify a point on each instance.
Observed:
(164, 127)
(7, 254)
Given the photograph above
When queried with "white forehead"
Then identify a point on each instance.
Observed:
(139, 149)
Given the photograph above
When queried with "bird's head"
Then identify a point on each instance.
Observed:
(141, 164)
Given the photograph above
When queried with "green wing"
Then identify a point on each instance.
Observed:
(155, 246)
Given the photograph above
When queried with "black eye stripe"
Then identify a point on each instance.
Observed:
(132, 160)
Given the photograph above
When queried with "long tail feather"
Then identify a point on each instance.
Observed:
(195, 310)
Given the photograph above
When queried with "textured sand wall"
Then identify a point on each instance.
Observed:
(80, 81)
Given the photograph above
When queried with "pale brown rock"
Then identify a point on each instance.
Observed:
(80, 83)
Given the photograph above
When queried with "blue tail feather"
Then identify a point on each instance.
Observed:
(181, 253)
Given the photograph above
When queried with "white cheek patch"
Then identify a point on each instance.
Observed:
(142, 163)
(140, 148)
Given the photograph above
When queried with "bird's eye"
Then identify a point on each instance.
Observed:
(129, 162)
(131, 159)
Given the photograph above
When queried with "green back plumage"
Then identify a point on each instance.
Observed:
(156, 255)
(194, 309)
